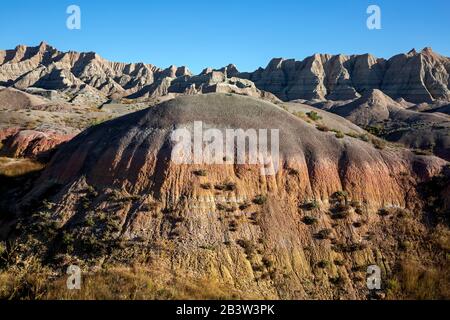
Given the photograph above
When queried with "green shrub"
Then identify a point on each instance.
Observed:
(340, 135)
(221, 207)
(2, 248)
(200, 173)
(322, 128)
(337, 281)
(248, 246)
(206, 186)
(230, 186)
(379, 144)
(268, 263)
(352, 135)
(245, 205)
(383, 212)
(323, 234)
(340, 215)
(323, 264)
(90, 222)
(260, 200)
(340, 195)
(364, 137)
(339, 263)
(68, 241)
(314, 204)
(421, 152)
(314, 116)
(309, 220)
(377, 130)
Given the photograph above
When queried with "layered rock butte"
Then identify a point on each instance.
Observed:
(415, 76)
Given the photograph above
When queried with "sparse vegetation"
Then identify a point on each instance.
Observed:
(421, 152)
(260, 200)
(200, 173)
(377, 130)
(248, 246)
(206, 186)
(337, 281)
(323, 264)
(384, 212)
(414, 281)
(339, 263)
(322, 128)
(311, 205)
(378, 143)
(245, 205)
(309, 220)
(348, 248)
(18, 167)
(340, 195)
(300, 115)
(314, 116)
(340, 135)
(352, 135)
(228, 186)
(37, 282)
(221, 207)
(364, 137)
(323, 234)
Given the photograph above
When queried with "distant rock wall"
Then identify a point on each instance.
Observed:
(416, 77)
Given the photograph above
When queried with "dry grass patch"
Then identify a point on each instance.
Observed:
(118, 283)
(18, 167)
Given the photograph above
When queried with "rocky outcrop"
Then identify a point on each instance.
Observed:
(17, 143)
(48, 68)
(397, 122)
(416, 76)
(226, 222)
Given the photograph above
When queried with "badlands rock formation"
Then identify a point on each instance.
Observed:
(397, 122)
(416, 77)
(291, 235)
(86, 78)
(31, 125)
(342, 199)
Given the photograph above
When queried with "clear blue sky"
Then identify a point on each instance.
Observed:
(201, 33)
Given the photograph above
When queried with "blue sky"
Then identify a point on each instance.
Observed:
(202, 33)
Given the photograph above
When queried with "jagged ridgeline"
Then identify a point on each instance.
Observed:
(415, 76)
